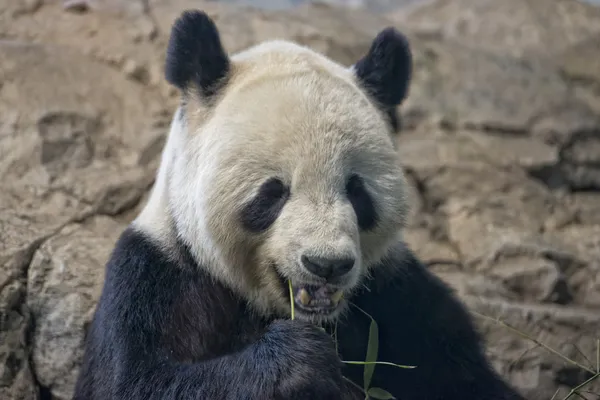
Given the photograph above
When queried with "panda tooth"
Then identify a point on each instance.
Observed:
(304, 297)
(337, 296)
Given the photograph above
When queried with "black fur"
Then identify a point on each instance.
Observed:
(421, 323)
(164, 330)
(262, 211)
(362, 203)
(394, 118)
(385, 72)
(195, 55)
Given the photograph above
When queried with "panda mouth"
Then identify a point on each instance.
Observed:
(316, 299)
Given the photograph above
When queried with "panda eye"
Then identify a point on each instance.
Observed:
(361, 202)
(262, 211)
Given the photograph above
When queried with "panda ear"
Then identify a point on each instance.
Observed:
(195, 55)
(385, 71)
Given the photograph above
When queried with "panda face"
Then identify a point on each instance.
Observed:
(304, 186)
(287, 171)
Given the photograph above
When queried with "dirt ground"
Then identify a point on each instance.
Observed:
(501, 145)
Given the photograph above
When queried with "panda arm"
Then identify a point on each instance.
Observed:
(154, 312)
(133, 335)
(421, 323)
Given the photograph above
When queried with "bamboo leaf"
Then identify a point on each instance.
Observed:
(335, 336)
(378, 393)
(371, 357)
(291, 297)
(381, 363)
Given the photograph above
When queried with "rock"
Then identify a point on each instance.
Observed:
(583, 148)
(488, 91)
(113, 29)
(64, 144)
(484, 229)
(498, 26)
(76, 5)
(435, 148)
(503, 197)
(63, 159)
(583, 242)
(507, 150)
(464, 147)
(580, 64)
(437, 253)
(495, 100)
(477, 227)
(533, 368)
(580, 159)
(135, 72)
(16, 380)
(18, 9)
(578, 166)
(533, 280)
(585, 205)
(480, 286)
(64, 283)
(27, 219)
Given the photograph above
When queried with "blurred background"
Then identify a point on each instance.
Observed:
(501, 144)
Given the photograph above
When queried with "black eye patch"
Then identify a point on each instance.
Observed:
(262, 211)
(361, 202)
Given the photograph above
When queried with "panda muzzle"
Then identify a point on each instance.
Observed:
(317, 298)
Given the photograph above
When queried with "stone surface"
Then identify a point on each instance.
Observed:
(16, 378)
(26, 220)
(64, 282)
(501, 147)
(491, 92)
(508, 26)
(532, 367)
(72, 131)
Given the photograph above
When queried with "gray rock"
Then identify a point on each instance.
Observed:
(64, 283)
(537, 371)
(488, 91)
(509, 26)
(63, 160)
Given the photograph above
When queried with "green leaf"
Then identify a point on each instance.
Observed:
(379, 362)
(291, 297)
(378, 393)
(335, 339)
(371, 358)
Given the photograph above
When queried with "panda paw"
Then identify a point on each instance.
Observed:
(308, 366)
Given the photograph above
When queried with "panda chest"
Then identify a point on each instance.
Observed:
(207, 321)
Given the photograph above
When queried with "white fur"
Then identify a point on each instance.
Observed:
(154, 219)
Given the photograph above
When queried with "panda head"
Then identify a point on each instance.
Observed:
(282, 165)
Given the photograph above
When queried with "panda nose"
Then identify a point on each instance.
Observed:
(328, 268)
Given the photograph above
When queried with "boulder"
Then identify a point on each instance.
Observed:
(72, 147)
(64, 282)
(510, 26)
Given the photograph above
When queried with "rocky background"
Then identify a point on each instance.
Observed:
(501, 144)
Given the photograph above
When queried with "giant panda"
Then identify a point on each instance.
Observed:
(279, 167)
